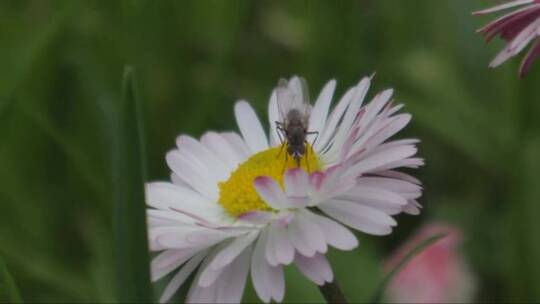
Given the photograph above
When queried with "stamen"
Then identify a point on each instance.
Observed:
(237, 195)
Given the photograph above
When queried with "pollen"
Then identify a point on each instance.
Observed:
(237, 195)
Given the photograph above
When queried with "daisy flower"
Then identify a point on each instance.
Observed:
(518, 28)
(238, 205)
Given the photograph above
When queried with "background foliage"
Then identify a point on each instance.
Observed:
(60, 81)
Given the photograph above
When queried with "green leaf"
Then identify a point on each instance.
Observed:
(132, 271)
(8, 289)
(377, 297)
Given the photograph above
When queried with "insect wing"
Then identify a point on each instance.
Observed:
(284, 99)
(293, 95)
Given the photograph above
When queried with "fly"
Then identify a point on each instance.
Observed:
(294, 109)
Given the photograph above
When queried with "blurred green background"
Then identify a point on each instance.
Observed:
(61, 67)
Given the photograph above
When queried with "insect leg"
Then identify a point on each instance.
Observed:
(316, 136)
(307, 157)
(279, 131)
(286, 162)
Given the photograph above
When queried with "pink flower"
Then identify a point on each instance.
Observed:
(438, 274)
(519, 28)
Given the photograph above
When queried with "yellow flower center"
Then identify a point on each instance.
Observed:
(238, 195)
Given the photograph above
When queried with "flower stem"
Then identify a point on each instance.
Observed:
(332, 293)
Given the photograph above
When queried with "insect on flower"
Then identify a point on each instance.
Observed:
(294, 109)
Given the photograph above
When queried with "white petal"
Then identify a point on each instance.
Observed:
(231, 288)
(223, 149)
(229, 253)
(335, 234)
(345, 127)
(381, 199)
(211, 161)
(395, 124)
(316, 268)
(190, 172)
(296, 182)
(359, 217)
(177, 180)
(321, 108)
(198, 293)
(375, 107)
(405, 189)
(257, 217)
(181, 277)
(372, 196)
(412, 207)
(333, 119)
(306, 235)
(279, 249)
(270, 191)
(250, 127)
(202, 295)
(273, 116)
(170, 217)
(401, 176)
(238, 144)
(379, 160)
(190, 237)
(209, 276)
(268, 281)
(168, 261)
(413, 162)
(167, 196)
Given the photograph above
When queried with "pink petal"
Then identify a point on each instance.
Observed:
(503, 6)
(525, 36)
(529, 58)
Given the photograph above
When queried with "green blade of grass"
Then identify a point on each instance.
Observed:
(132, 271)
(377, 297)
(8, 290)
